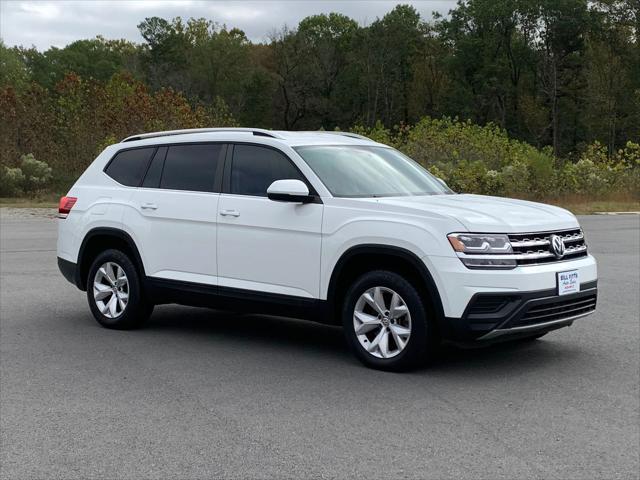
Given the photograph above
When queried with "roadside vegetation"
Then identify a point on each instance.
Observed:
(535, 99)
(484, 160)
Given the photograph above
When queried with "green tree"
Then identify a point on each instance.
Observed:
(390, 49)
(204, 60)
(553, 73)
(13, 69)
(431, 78)
(294, 87)
(560, 45)
(329, 40)
(611, 109)
(98, 59)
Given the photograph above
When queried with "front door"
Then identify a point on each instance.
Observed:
(265, 245)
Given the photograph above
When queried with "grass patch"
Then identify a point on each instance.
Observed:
(46, 201)
(585, 205)
(589, 207)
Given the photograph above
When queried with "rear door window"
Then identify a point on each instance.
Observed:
(191, 167)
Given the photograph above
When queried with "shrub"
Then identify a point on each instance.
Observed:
(541, 167)
(595, 173)
(476, 159)
(515, 179)
(379, 133)
(11, 180)
(446, 140)
(37, 174)
(108, 140)
(30, 177)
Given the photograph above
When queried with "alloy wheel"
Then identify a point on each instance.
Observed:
(111, 290)
(382, 322)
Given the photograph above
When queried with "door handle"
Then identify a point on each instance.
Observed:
(229, 213)
(149, 206)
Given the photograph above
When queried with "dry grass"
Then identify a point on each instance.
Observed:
(584, 205)
(43, 202)
(587, 208)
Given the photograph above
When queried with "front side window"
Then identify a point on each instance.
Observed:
(254, 168)
(128, 166)
(191, 167)
(364, 171)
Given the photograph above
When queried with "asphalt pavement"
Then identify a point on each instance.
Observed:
(200, 394)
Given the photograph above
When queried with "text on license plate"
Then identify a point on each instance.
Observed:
(568, 282)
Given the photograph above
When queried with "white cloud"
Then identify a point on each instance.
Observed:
(44, 10)
(48, 23)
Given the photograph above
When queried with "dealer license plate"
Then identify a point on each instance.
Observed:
(568, 282)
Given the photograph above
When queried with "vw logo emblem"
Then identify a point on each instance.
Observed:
(557, 246)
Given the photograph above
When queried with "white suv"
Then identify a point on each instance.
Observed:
(326, 226)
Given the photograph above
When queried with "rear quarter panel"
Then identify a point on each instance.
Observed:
(100, 203)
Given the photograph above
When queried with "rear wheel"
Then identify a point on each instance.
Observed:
(385, 322)
(114, 292)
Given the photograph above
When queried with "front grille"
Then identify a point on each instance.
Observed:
(535, 248)
(557, 310)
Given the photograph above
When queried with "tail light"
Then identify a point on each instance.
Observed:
(65, 206)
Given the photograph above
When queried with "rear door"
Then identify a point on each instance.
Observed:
(173, 214)
(265, 245)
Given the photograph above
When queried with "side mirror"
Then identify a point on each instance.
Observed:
(289, 191)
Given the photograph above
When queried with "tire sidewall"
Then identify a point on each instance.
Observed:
(415, 351)
(133, 313)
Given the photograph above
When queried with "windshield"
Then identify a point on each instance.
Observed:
(363, 171)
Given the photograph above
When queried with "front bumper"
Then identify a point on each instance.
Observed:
(491, 317)
(457, 284)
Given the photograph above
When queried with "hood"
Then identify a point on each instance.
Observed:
(480, 213)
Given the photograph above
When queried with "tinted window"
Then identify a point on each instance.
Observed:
(152, 178)
(255, 168)
(128, 167)
(191, 167)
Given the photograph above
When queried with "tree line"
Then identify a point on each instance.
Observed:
(557, 74)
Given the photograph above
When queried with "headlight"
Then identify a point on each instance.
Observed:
(480, 243)
(483, 250)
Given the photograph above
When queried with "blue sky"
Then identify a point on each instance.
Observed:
(57, 23)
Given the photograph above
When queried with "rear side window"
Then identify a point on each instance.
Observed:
(254, 168)
(191, 167)
(128, 167)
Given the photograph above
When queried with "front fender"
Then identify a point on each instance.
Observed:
(406, 235)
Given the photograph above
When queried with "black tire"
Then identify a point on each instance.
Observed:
(417, 349)
(137, 309)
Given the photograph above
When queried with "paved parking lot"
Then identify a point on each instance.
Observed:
(200, 394)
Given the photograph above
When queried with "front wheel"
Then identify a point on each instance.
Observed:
(386, 322)
(114, 292)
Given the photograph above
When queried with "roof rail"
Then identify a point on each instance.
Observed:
(344, 134)
(255, 131)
